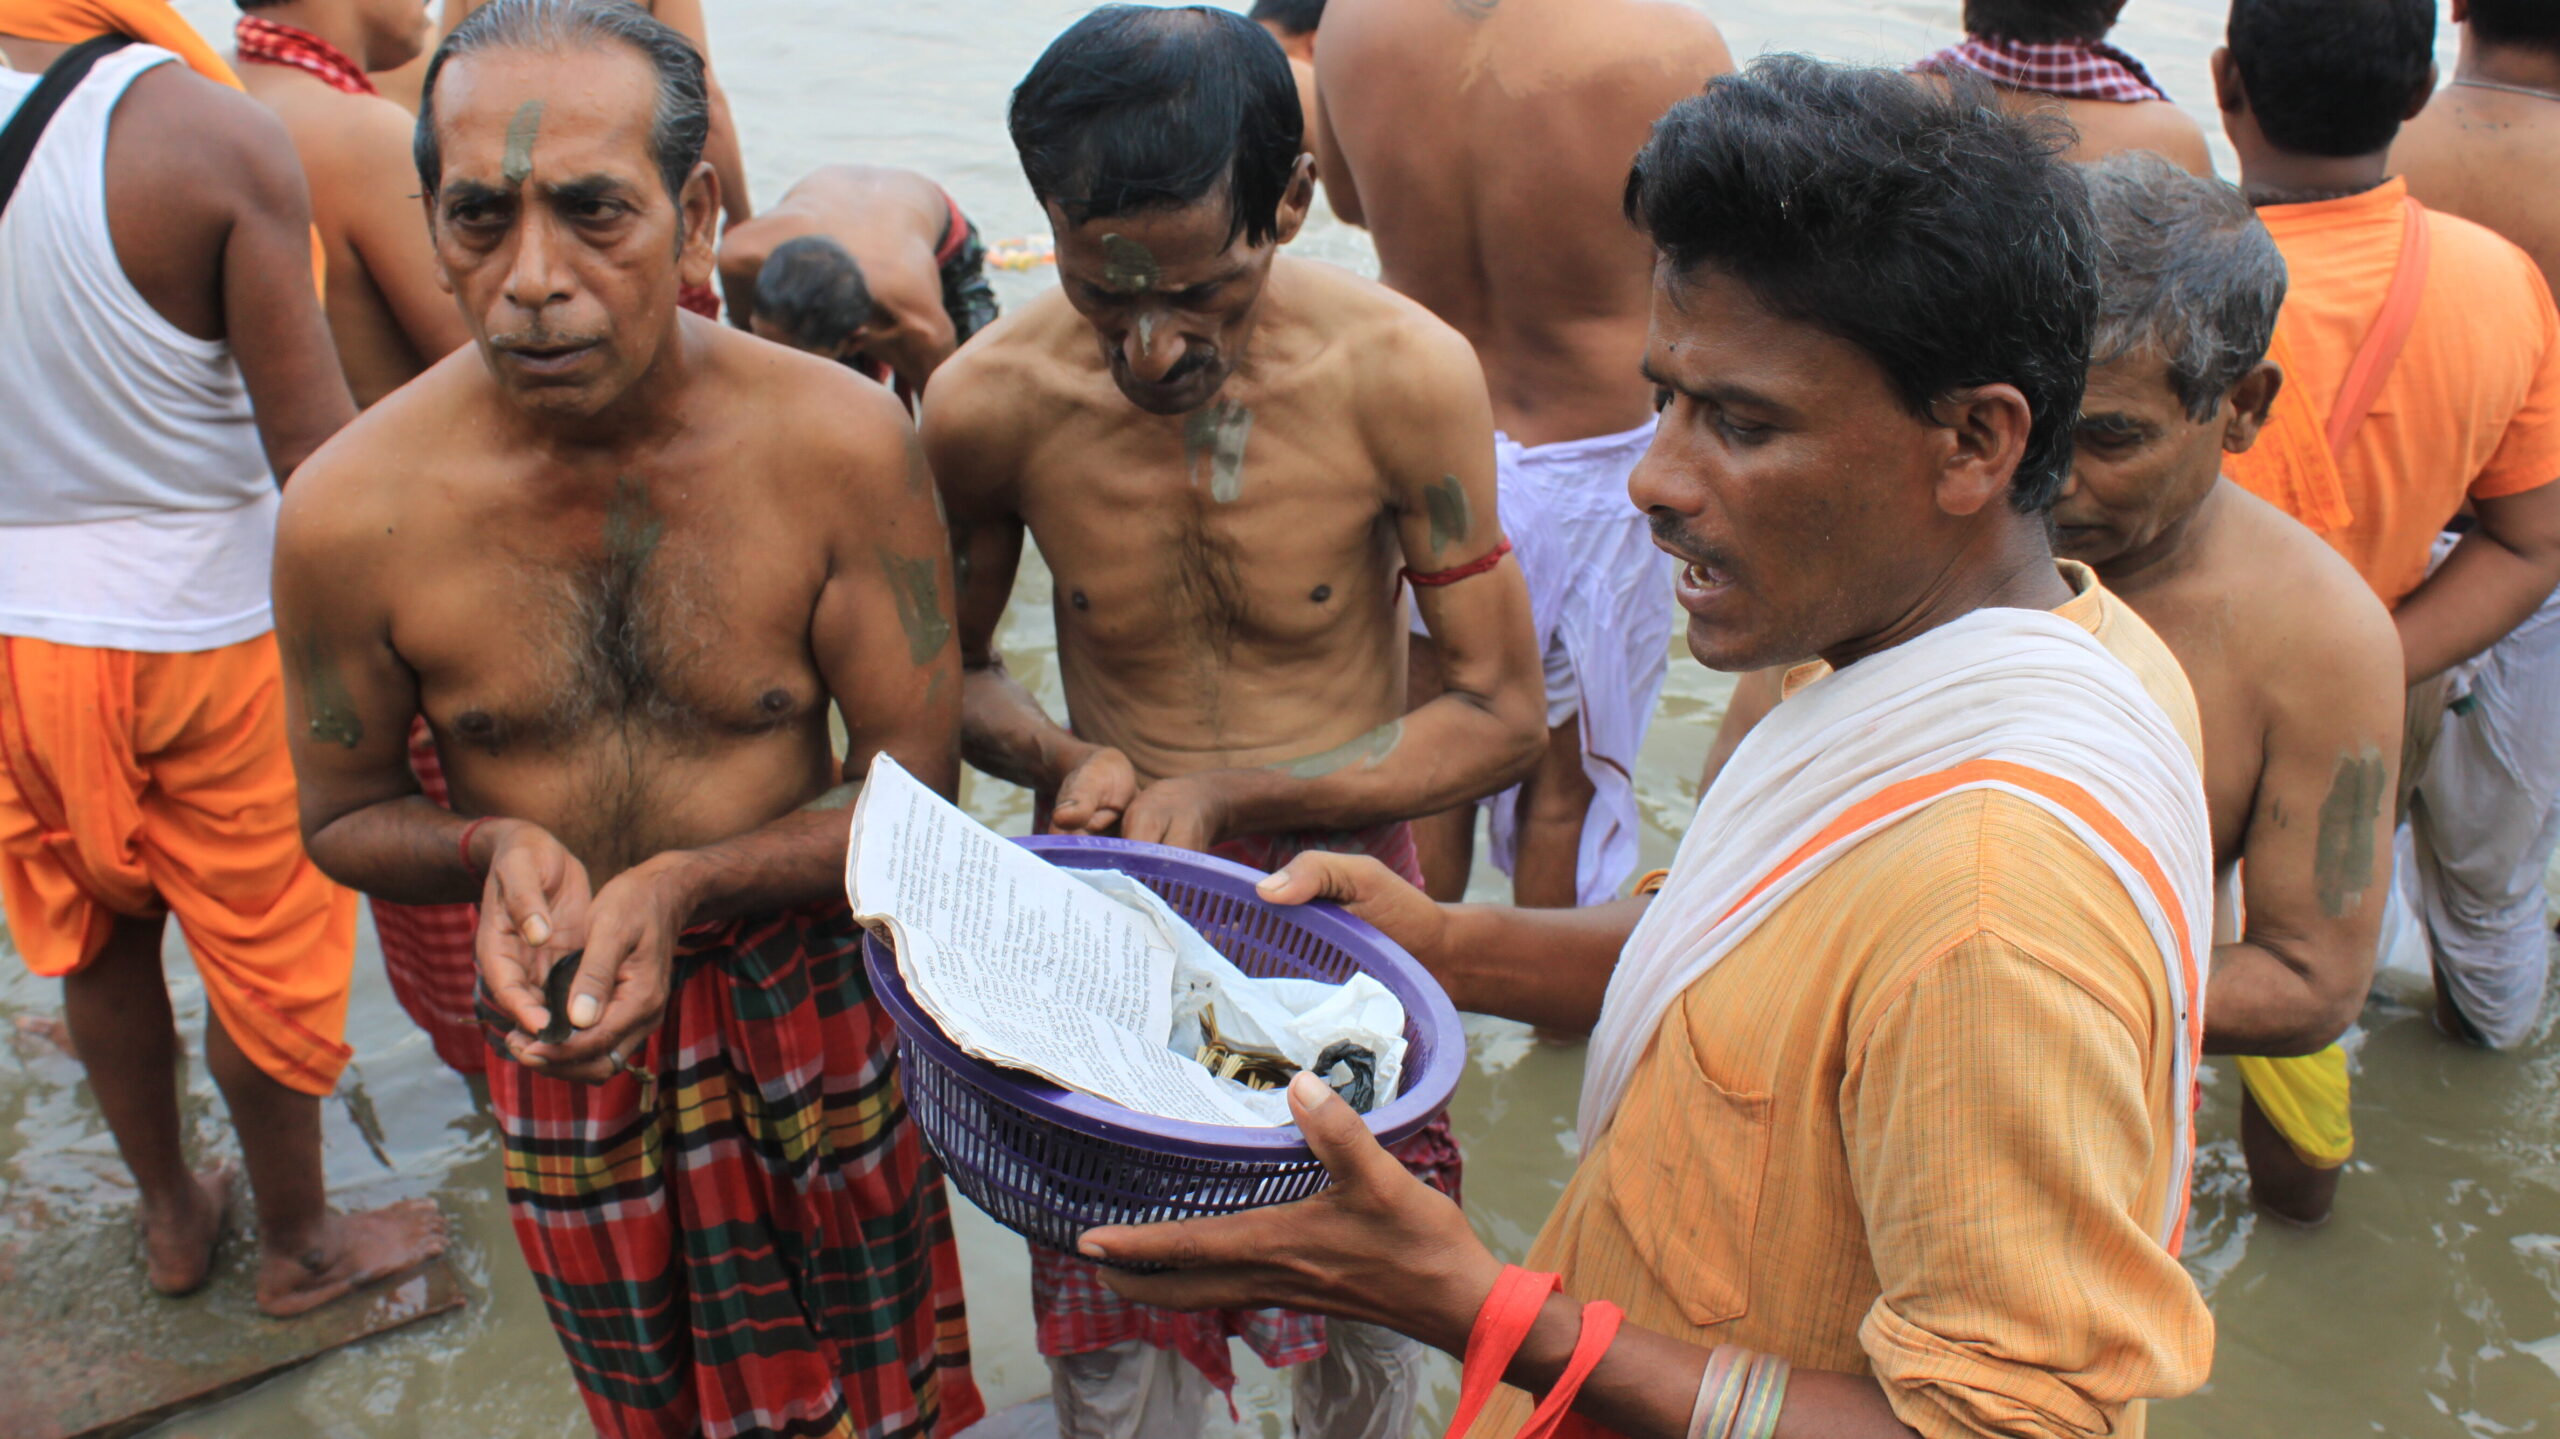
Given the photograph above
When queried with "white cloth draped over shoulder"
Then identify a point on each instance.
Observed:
(2015, 700)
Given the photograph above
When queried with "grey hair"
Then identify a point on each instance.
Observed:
(2183, 267)
(677, 130)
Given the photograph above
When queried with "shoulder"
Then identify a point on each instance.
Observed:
(357, 487)
(2297, 597)
(1010, 380)
(2486, 265)
(1400, 352)
(194, 122)
(815, 409)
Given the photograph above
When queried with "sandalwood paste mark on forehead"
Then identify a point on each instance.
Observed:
(522, 131)
(917, 586)
(2343, 865)
(1128, 265)
(1216, 433)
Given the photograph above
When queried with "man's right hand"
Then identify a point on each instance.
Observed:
(1372, 892)
(1094, 794)
(533, 909)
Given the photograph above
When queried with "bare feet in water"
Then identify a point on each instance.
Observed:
(178, 1241)
(350, 1252)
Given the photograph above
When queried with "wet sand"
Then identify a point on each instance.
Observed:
(2430, 1306)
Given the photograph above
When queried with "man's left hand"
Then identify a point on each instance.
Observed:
(623, 977)
(1378, 1246)
(1187, 812)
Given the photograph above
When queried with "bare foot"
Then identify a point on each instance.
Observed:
(178, 1243)
(350, 1252)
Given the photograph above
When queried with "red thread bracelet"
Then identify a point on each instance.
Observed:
(468, 831)
(1455, 573)
(1502, 1325)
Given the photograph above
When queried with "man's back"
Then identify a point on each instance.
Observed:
(1486, 146)
(2464, 155)
(2471, 407)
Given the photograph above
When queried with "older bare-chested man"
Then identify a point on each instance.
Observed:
(2299, 758)
(1485, 145)
(2489, 799)
(624, 560)
(868, 264)
(1224, 456)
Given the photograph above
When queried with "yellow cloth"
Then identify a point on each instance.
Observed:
(68, 22)
(2306, 1099)
(1920, 1124)
(133, 784)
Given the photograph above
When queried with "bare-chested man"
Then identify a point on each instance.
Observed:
(1224, 457)
(2299, 759)
(624, 560)
(2487, 811)
(1294, 24)
(867, 264)
(306, 60)
(1486, 146)
(2053, 55)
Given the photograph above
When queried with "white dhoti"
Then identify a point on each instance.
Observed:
(2482, 827)
(1600, 599)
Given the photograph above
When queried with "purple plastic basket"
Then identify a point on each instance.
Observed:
(1050, 1163)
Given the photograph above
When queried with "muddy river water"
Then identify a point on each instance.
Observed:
(2430, 1306)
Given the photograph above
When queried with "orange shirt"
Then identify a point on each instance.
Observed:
(2472, 408)
(1918, 1124)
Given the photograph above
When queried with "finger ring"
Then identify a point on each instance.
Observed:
(621, 1063)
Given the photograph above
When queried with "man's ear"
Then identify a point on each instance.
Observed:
(1986, 437)
(698, 215)
(2251, 401)
(1297, 199)
(2228, 92)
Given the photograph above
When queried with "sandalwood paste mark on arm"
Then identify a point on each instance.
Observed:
(916, 584)
(331, 709)
(1364, 752)
(2342, 867)
(1451, 517)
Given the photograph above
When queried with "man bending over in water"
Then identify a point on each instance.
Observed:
(866, 264)
(2299, 759)
(624, 563)
(1224, 457)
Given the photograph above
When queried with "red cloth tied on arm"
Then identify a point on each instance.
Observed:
(1509, 1313)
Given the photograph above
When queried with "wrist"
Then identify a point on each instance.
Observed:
(483, 839)
(1453, 1317)
(684, 881)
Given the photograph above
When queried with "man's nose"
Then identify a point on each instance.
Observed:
(1152, 348)
(1661, 480)
(2070, 482)
(539, 275)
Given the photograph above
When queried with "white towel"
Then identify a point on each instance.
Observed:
(1860, 748)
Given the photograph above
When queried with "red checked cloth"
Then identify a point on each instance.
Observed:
(1076, 1315)
(426, 948)
(269, 43)
(2071, 69)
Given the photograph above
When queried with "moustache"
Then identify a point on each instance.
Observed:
(541, 340)
(1669, 535)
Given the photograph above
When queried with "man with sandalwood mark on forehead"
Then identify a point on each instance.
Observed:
(624, 561)
(1232, 463)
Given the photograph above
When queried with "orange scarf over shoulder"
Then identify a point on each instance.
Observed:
(68, 22)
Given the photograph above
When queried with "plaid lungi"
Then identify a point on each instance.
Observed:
(742, 1236)
(426, 948)
(1077, 1315)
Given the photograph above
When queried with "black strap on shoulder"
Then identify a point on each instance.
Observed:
(18, 142)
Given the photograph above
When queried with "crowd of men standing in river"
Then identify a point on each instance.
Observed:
(2200, 540)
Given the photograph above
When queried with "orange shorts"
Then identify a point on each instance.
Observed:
(144, 784)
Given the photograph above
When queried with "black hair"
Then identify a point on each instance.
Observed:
(1916, 220)
(1136, 109)
(2042, 21)
(683, 118)
(2184, 267)
(2534, 24)
(813, 291)
(2332, 77)
(1297, 17)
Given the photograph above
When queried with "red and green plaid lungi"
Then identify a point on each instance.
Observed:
(426, 948)
(1077, 1315)
(742, 1237)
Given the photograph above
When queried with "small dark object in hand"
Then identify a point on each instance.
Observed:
(555, 998)
(1359, 1085)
